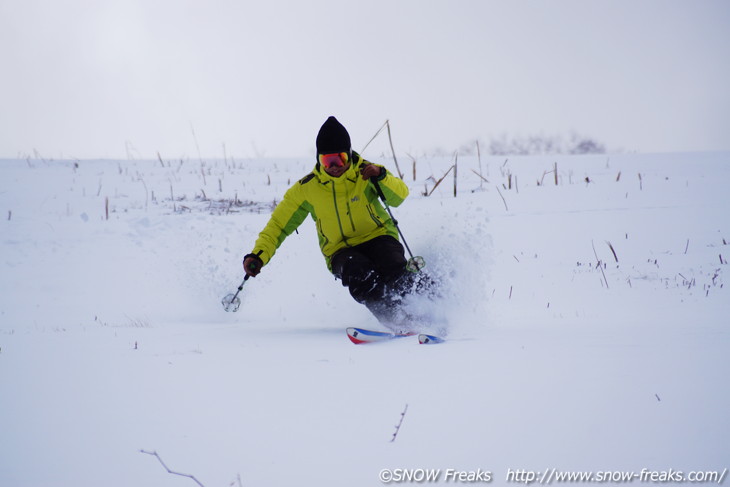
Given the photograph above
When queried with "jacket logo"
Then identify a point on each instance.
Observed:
(356, 198)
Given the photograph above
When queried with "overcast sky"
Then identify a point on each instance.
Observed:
(128, 78)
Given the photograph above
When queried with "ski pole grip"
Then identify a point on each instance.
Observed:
(252, 263)
(379, 190)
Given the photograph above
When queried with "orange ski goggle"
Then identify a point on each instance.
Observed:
(338, 159)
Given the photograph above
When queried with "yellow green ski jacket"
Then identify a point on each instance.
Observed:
(346, 210)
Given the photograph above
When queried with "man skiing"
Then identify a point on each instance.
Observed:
(357, 237)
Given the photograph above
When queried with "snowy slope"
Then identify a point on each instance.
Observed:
(588, 325)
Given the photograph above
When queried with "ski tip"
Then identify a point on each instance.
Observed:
(424, 339)
(354, 335)
(360, 335)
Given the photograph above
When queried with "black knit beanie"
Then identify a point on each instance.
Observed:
(333, 137)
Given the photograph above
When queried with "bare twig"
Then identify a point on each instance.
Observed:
(599, 263)
(456, 162)
(479, 158)
(195, 138)
(414, 166)
(373, 137)
(542, 179)
(154, 454)
(439, 181)
(503, 200)
(397, 427)
(482, 177)
(146, 192)
(613, 251)
(390, 139)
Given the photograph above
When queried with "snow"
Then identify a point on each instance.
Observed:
(113, 339)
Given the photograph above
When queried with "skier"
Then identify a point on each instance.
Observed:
(357, 237)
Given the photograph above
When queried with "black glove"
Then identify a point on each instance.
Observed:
(252, 264)
(372, 171)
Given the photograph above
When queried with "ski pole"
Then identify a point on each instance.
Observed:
(231, 302)
(415, 264)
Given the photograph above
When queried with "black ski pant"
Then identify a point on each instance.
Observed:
(375, 274)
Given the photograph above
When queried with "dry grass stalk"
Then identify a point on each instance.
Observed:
(456, 162)
(599, 264)
(373, 137)
(479, 158)
(197, 146)
(191, 477)
(400, 423)
(414, 166)
(390, 139)
(612, 251)
(481, 177)
(439, 181)
(503, 200)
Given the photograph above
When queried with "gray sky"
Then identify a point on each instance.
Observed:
(112, 78)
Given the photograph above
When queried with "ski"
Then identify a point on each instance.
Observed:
(425, 339)
(359, 336)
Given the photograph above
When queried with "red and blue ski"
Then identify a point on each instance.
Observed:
(425, 339)
(359, 336)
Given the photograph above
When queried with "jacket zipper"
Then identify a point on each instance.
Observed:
(337, 213)
(349, 209)
(375, 218)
